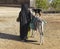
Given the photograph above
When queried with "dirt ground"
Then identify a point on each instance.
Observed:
(9, 31)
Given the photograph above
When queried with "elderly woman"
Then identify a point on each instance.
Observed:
(25, 18)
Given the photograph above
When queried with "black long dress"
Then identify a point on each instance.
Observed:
(24, 28)
(25, 18)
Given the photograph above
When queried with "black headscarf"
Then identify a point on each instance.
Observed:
(24, 7)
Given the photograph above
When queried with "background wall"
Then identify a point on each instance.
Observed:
(13, 1)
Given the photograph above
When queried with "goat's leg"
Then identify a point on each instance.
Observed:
(41, 33)
(32, 33)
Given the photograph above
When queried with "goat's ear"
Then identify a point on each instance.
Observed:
(39, 14)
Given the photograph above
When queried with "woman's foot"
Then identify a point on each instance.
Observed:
(23, 39)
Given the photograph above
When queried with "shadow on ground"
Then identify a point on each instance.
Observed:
(17, 38)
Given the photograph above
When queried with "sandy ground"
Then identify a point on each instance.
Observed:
(9, 31)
